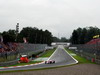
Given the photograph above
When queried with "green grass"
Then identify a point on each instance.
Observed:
(48, 53)
(78, 58)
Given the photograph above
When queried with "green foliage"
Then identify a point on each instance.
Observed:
(9, 36)
(55, 39)
(79, 58)
(63, 39)
(32, 35)
(84, 35)
(75, 37)
(48, 53)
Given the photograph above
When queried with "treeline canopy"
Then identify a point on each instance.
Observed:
(63, 39)
(32, 35)
(84, 35)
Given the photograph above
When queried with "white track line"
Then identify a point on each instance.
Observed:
(52, 54)
(71, 56)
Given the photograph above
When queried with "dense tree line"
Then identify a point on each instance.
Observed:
(84, 35)
(32, 35)
(63, 39)
(9, 36)
(38, 36)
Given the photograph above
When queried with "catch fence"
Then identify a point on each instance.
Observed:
(89, 51)
(21, 49)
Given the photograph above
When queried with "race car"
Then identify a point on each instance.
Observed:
(49, 62)
(23, 59)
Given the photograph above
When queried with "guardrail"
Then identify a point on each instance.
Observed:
(89, 51)
(6, 58)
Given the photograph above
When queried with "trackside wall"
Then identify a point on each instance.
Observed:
(10, 58)
(90, 52)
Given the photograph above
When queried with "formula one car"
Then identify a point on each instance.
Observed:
(50, 62)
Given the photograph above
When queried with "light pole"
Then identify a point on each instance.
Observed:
(17, 30)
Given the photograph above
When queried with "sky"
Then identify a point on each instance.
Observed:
(60, 17)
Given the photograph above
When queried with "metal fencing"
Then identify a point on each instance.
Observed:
(8, 56)
(21, 49)
(30, 48)
(89, 51)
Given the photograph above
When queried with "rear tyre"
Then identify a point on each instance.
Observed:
(45, 62)
(53, 61)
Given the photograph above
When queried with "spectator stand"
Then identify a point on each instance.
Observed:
(90, 50)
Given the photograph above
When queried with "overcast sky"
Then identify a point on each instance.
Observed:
(60, 17)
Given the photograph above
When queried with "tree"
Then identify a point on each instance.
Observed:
(9, 36)
(84, 35)
(55, 39)
(34, 35)
(31, 34)
(75, 37)
(48, 37)
(63, 39)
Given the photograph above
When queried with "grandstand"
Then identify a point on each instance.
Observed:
(90, 50)
(7, 47)
(9, 53)
(94, 41)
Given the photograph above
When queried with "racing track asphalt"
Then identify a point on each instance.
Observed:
(60, 56)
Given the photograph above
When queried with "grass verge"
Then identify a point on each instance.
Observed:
(48, 53)
(78, 58)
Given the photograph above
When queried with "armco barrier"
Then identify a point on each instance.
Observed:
(89, 51)
(22, 48)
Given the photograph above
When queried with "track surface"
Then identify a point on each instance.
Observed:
(60, 56)
(80, 69)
